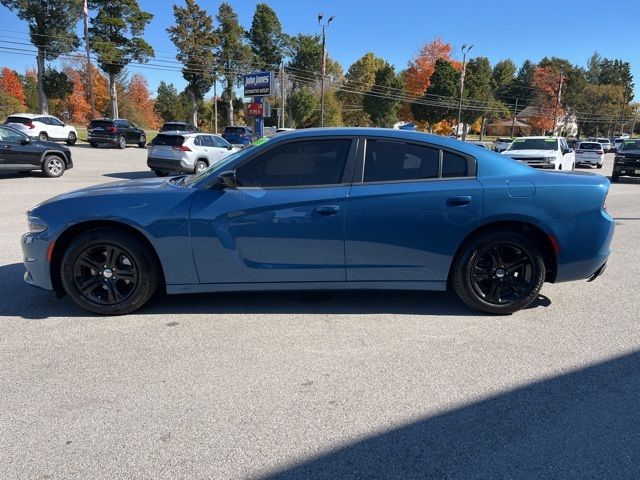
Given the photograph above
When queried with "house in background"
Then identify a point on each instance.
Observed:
(566, 124)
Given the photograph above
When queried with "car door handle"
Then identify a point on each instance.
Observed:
(8, 147)
(458, 201)
(327, 210)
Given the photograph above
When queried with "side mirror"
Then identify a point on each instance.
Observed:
(229, 147)
(228, 179)
(25, 141)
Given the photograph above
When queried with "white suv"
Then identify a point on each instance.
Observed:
(542, 152)
(43, 127)
(179, 152)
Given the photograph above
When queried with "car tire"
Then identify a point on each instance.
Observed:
(93, 144)
(200, 166)
(143, 141)
(72, 139)
(43, 137)
(615, 178)
(128, 281)
(160, 173)
(53, 166)
(122, 143)
(599, 165)
(498, 272)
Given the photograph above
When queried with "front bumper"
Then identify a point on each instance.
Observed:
(168, 165)
(35, 249)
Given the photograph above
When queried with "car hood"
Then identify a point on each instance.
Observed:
(53, 145)
(528, 153)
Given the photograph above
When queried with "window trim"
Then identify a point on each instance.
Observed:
(347, 174)
(472, 162)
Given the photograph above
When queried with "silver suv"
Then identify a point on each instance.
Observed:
(179, 152)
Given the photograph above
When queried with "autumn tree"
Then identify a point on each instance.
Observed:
(195, 39)
(77, 103)
(12, 87)
(51, 30)
(381, 102)
(232, 53)
(421, 67)
(116, 38)
(140, 106)
(546, 83)
(440, 99)
(360, 77)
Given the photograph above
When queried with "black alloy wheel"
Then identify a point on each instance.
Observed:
(498, 272)
(109, 272)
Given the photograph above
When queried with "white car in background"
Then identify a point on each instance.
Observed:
(590, 153)
(542, 152)
(180, 152)
(43, 127)
(501, 144)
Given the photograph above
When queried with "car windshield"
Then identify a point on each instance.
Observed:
(631, 145)
(234, 131)
(173, 126)
(590, 146)
(503, 140)
(100, 124)
(168, 140)
(220, 166)
(534, 144)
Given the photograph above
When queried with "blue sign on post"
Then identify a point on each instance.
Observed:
(258, 84)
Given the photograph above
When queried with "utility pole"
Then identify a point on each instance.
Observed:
(324, 63)
(633, 125)
(282, 92)
(624, 100)
(465, 50)
(513, 122)
(555, 111)
(92, 99)
(215, 101)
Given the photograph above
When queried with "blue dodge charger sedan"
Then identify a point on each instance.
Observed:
(314, 209)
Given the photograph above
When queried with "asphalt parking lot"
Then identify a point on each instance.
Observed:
(335, 386)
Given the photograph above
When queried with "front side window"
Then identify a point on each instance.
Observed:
(307, 162)
(10, 135)
(207, 141)
(220, 142)
(55, 122)
(387, 161)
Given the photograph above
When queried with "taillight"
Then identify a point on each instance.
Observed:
(182, 148)
(31, 125)
(112, 130)
(600, 152)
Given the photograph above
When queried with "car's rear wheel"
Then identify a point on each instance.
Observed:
(72, 139)
(161, 173)
(498, 272)
(43, 137)
(53, 166)
(143, 141)
(200, 166)
(122, 143)
(615, 178)
(93, 144)
(109, 272)
(599, 165)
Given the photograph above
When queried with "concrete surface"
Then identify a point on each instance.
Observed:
(349, 385)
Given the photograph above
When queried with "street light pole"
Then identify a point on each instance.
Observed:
(465, 50)
(324, 63)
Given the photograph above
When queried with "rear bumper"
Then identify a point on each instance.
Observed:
(109, 139)
(585, 244)
(588, 161)
(167, 165)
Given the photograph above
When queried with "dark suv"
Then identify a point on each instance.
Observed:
(627, 160)
(116, 133)
(19, 153)
(239, 135)
(179, 127)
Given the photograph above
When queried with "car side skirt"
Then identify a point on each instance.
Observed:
(439, 286)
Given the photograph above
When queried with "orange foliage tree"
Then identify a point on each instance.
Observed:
(11, 85)
(77, 103)
(546, 81)
(141, 104)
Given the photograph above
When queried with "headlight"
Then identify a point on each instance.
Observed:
(36, 224)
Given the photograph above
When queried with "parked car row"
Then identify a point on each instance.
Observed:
(43, 127)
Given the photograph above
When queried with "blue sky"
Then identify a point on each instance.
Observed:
(498, 29)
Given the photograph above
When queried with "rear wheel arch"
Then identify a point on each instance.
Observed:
(65, 239)
(538, 236)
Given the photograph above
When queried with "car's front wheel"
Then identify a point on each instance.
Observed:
(200, 166)
(53, 166)
(43, 137)
(161, 173)
(122, 143)
(498, 272)
(109, 272)
(143, 141)
(72, 139)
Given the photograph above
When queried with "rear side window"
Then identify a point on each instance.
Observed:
(387, 161)
(168, 140)
(100, 124)
(121, 124)
(309, 162)
(22, 120)
(454, 165)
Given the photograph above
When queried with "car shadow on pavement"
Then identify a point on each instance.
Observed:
(131, 175)
(22, 300)
(579, 425)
